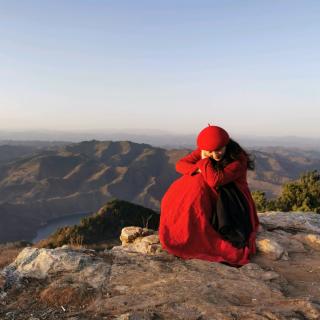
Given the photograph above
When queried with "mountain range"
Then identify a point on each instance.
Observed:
(41, 184)
(155, 137)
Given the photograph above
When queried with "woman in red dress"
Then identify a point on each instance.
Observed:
(187, 207)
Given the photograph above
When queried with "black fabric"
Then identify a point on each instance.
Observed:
(231, 217)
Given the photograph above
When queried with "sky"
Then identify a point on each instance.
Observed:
(252, 67)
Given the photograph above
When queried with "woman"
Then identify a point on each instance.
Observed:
(188, 205)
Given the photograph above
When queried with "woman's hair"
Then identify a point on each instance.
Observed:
(233, 152)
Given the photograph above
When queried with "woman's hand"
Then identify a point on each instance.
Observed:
(216, 155)
(204, 154)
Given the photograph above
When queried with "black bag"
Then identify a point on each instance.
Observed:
(231, 217)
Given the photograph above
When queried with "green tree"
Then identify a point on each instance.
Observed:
(302, 194)
(272, 205)
(260, 200)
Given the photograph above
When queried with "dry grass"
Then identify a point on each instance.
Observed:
(8, 253)
(76, 241)
(67, 295)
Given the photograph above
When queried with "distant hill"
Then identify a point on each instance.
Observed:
(9, 152)
(81, 177)
(275, 166)
(105, 225)
(37, 144)
(89, 171)
(158, 138)
(12, 150)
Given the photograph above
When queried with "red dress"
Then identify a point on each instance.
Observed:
(186, 209)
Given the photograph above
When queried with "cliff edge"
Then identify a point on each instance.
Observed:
(138, 280)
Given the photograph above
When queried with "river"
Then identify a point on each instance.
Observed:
(53, 224)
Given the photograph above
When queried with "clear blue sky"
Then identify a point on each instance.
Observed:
(252, 67)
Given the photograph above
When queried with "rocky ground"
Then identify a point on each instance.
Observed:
(139, 280)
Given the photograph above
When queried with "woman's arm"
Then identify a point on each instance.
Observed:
(188, 164)
(229, 173)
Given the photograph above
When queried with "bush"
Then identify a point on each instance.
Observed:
(260, 200)
(299, 195)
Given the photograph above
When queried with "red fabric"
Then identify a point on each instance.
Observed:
(186, 208)
(212, 138)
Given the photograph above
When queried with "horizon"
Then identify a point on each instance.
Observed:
(164, 139)
(140, 131)
(252, 68)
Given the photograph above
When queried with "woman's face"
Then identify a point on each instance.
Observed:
(216, 155)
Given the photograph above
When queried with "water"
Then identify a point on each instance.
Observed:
(53, 224)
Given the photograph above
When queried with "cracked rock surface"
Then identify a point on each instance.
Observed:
(139, 280)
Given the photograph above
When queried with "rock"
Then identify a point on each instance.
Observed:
(146, 232)
(282, 240)
(269, 275)
(312, 240)
(138, 316)
(144, 247)
(129, 234)
(271, 248)
(10, 315)
(140, 246)
(253, 270)
(2, 295)
(138, 280)
(42, 263)
(286, 240)
(141, 240)
(200, 288)
(151, 239)
(290, 230)
(308, 222)
(2, 282)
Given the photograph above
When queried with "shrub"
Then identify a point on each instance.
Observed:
(302, 194)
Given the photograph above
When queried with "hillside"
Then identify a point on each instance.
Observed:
(81, 177)
(9, 152)
(90, 170)
(104, 225)
(275, 166)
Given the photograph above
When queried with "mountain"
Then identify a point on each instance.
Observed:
(275, 166)
(9, 152)
(93, 170)
(13, 150)
(81, 177)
